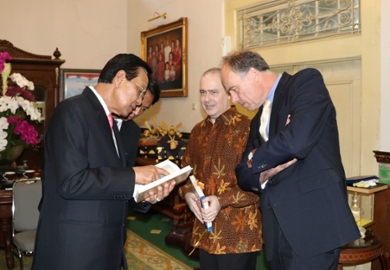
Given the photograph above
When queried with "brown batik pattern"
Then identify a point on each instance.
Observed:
(214, 151)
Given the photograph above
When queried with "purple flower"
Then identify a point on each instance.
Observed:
(12, 119)
(4, 56)
(27, 132)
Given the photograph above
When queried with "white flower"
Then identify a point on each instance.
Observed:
(30, 86)
(13, 105)
(4, 101)
(25, 104)
(3, 144)
(35, 115)
(21, 81)
(3, 126)
(3, 134)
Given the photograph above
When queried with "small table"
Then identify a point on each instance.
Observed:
(361, 251)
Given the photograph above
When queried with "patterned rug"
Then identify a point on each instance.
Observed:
(140, 255)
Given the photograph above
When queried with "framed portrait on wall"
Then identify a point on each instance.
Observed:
(165, 50)
(74, 81)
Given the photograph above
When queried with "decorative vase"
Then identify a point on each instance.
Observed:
(12, 154)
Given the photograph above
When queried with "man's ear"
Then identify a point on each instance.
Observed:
(252, 74)
(119, 77)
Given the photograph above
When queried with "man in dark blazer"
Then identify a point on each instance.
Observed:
(86, 184)
(298, 171)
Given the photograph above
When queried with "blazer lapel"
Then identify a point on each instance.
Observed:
(102, 119)
(259, 138)
(277, 103)
(99, 111)
(120, 146)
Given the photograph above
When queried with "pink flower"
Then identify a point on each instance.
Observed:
(27, 132)
(4, 56)
(12, 119)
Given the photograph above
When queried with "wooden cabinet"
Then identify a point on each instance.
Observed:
(382, 221)
(44, 72)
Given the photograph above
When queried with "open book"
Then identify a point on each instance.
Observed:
(141, 192)
(197, 189)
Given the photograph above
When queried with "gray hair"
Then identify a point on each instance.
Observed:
(241, 62)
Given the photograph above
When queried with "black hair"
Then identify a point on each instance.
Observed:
(129, 63)
(154, 89)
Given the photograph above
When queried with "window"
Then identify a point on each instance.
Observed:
(284, 22)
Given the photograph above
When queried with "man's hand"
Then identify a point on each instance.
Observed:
(194, 204)
(268, 174)
(210, 213)
(288, 119)
(146, 174)
(162, 193)
(250, 157)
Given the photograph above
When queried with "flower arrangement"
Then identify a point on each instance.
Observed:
(16, 112)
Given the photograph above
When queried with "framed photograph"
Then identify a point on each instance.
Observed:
(40, 106)
(165, 50)
(73, 81)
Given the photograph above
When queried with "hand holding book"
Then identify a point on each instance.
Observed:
(141, 192)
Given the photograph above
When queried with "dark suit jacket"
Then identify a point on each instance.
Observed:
(86, 188)
(130, 134)
(309, 199)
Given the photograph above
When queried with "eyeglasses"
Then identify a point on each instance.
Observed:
(142, 91)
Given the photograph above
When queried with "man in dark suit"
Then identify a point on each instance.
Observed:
(295, 165)
(86, 184)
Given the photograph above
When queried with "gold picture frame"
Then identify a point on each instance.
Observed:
(165, 49)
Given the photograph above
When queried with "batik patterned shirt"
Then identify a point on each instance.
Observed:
(213, 151)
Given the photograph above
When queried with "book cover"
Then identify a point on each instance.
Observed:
(141, 192)
(197, 189)
(356, 179)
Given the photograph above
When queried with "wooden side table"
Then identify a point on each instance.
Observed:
(361, 251)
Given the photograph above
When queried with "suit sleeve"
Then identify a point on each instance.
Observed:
(247, 180)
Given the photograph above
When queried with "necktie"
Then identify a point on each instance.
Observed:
(110, 120)
(113, 131)
(264, 119)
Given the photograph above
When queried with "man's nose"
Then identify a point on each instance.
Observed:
(234, 97)
(136, 111)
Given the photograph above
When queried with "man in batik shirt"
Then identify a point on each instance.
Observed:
(214, 149)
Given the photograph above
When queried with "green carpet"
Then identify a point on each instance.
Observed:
(153, 227)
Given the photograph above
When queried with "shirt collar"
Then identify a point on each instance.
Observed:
(100, 100)
(271, 94)
(225, 116)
